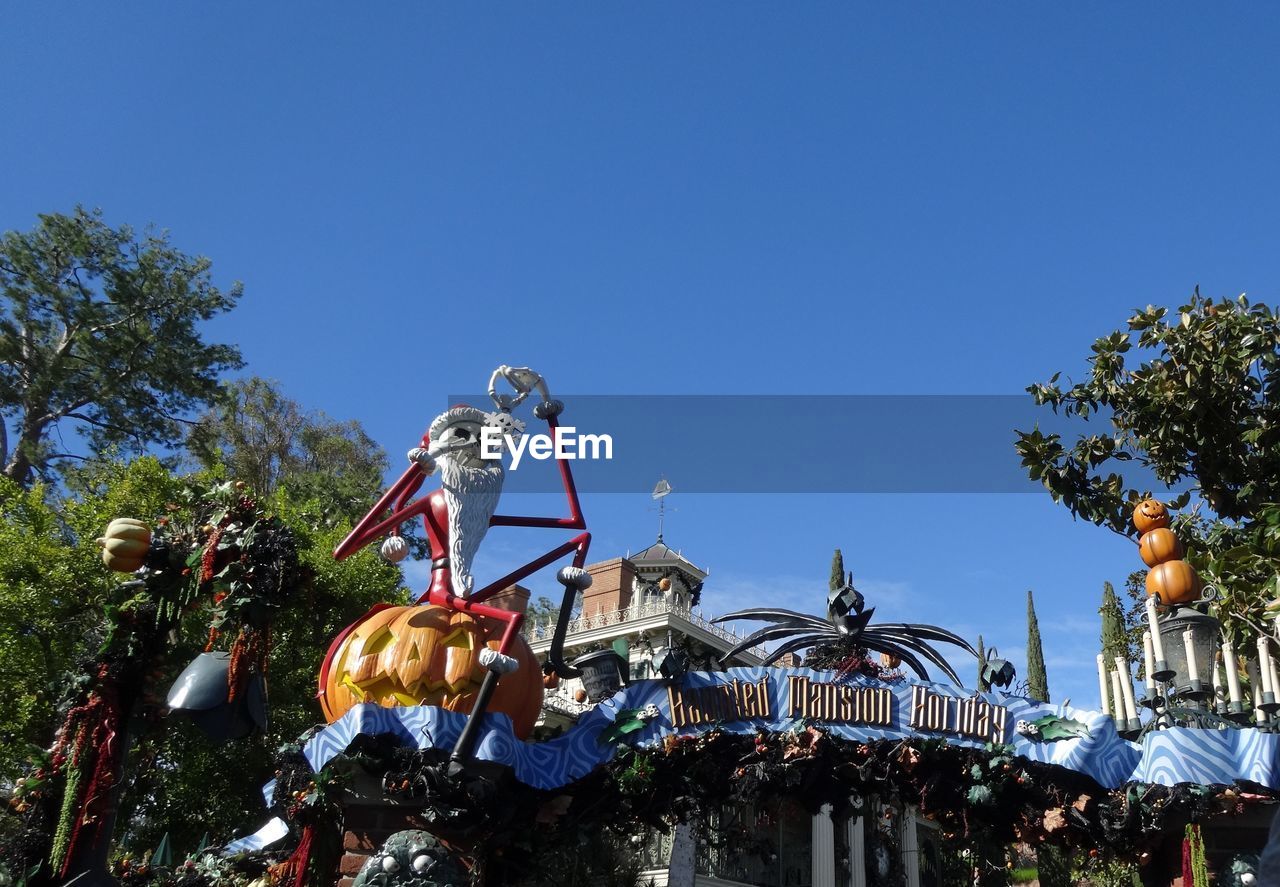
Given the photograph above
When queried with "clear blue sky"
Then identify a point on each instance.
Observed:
(688, 198)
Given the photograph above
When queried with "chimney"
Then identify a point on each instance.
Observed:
(513, 599)
(611, 586)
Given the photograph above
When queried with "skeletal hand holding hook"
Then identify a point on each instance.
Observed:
(524, 380)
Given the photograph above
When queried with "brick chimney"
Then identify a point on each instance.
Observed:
(513, 599)
(611, 586)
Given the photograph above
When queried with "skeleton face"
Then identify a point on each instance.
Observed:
(1026, 728)
(460, 441)
(649, 712)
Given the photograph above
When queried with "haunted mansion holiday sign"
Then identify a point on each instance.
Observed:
(777, 700)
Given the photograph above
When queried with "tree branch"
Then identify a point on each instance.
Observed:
(107, 426)
(67, 456)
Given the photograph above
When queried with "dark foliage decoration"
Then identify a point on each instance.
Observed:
(983, 800)
(883, 853)
(214, 548)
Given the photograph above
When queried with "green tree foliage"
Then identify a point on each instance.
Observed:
(54, 592)
(837, 571)
(1037, 680)
(983, 685)
(98, 331)
(53, 589)
(1053, 867)
(1197, 404)
(182, 784)
(267, 439)
(1115, 638)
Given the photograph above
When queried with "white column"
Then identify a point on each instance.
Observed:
(856, 841)
(910, 846)
(823, 851)
(682, 869)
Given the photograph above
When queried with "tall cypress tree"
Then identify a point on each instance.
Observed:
(1115, 640)
(983, 686)
(1037, 680)
(837, 571)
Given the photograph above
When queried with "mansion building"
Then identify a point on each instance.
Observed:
(651, 600)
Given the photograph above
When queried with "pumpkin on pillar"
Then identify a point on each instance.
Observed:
(1171, 580)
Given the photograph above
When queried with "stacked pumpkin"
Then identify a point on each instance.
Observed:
(1170, 577)
(426, 655)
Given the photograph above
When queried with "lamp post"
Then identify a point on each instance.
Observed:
(1185, 691)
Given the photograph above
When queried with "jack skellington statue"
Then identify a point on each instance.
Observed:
(458, 514)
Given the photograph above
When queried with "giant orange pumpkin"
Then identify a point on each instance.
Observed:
(1158, 546)
(1150, 514)
(426, 656)
(1175, 581)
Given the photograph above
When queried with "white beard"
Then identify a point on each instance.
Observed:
(471, 495)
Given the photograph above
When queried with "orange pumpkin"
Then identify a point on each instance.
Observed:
(888, 660)
(1158, 546)
(426, 656)
(1175, 581)
(1150, 514)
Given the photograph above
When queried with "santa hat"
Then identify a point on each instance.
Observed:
(504, 422)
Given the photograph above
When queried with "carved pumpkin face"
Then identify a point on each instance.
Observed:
(426, 656)
(1150, 515)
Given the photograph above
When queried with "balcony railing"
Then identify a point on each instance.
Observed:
(558, 703)
(645, 608)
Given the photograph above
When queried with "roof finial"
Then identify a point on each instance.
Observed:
(660, 492)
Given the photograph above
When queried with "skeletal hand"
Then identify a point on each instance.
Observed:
(523, 380)
(424, 459)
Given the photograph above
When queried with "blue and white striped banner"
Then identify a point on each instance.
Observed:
(1165, 757)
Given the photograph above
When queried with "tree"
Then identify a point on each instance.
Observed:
(98, 330)
(1197, 405)
(1204, 408)
(182, 784)
(1115, 634)
(837, 579)
(54, 598)
(53, 589)
(983, 685)
(1037, 680)
(267, 439)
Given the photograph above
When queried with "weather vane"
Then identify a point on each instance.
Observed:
(660, 492)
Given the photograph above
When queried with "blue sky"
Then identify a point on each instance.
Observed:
(688, 199)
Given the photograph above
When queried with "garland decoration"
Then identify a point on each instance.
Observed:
(1195, 871)
(983, 800)
(214, 545)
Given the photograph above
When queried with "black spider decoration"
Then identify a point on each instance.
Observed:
(847, 620)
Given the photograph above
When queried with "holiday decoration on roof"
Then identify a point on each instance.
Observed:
(848, 622)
